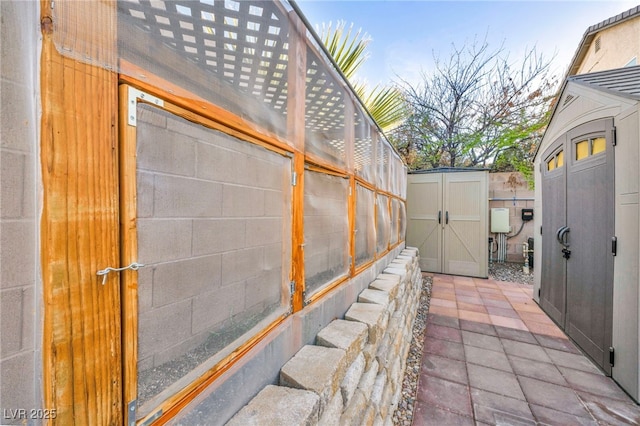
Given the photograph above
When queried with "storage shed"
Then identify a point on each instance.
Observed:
(447, 220)
(588, 223)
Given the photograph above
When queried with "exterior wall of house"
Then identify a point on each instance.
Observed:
(20, 362)
(618, 46)
(511, 190)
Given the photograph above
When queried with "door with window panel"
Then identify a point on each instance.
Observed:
(578, 228)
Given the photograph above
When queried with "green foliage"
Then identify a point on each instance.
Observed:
(476, 110)
(385, 103)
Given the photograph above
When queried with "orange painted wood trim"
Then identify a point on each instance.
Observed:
(129, 250)
(352, 225)
(194, 107)
(81, 350)
(296, 133)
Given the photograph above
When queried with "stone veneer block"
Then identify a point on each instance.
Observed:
(374, 296)
(370, 314)
(368, 379)
(353, 415)
(277, 405)
(389, 277)
(389, 286)
(315, 368)
(333, 411)
(396, 270)
(348, 335)
(352, 378)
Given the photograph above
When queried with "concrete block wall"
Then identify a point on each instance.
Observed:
(213, 232)
(365, 225)
(353, 373)
(513, 187)
(20, 363)
(326, 229)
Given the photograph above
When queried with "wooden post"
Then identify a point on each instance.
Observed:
(296, 133)
(81, 331)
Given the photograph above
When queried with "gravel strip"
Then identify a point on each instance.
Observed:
(403, 416)
(511, 272)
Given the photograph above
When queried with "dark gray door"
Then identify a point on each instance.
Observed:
(590, 218)
(553, 274)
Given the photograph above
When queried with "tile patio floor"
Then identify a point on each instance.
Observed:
(492, 356)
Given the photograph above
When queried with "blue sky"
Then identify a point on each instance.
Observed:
(406, 34)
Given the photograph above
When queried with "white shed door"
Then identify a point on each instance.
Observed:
(447, 221)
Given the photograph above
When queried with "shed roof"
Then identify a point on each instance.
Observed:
(621, 81)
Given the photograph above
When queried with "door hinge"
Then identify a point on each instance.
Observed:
(538, 292)
(541, 230)
(614, 246)
(612, 356)
(294, 178)
(614, 135)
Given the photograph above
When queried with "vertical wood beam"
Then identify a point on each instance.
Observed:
(297, 71)
(81, 331)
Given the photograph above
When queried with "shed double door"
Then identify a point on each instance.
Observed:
(448, 221)
(577, 237)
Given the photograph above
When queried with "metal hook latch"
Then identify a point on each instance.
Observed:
(103, 272)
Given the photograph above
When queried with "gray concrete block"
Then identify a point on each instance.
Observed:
(161, 240)
(264, 290)
(277, 405)
(18, 253)
(218, 235)
(240, 265)
(11, 321)
(218, 164)
(350, 336)
(242, 201)
(211, 309)
(184, 279)
(264, 231)
(163, 327)
(163, 151)
(18, 380)
(12, 190)
(152, 116)
(374, 296)
(352, 379)
(171, 353)
(145, 188)
(315, 368)
(184, 197)
(18, 120)
(277, 203)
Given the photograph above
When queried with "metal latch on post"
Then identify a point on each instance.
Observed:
(104, 272)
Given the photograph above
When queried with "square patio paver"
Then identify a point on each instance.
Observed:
(495, 381)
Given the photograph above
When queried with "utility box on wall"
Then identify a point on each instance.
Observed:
(500, 221)
(447, 214)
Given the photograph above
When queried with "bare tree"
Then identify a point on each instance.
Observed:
(475, 107)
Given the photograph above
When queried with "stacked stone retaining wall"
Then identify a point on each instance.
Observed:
(353, 373)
